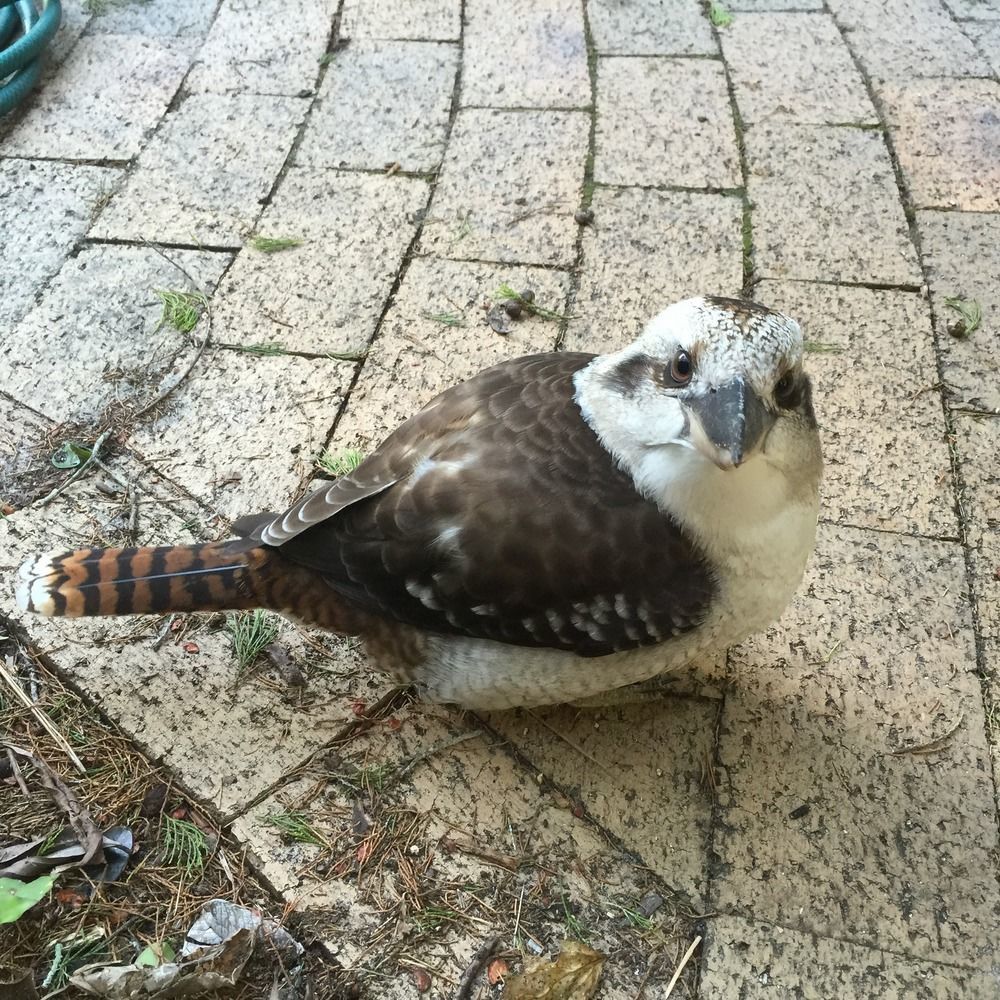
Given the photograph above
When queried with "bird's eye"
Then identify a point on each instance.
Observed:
(680, 369)
(785, 391)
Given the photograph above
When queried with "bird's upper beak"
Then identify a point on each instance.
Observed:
(728, 423)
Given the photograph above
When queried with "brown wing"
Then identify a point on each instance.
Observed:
(496, 513)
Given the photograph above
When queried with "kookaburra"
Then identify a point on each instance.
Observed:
(557, 526)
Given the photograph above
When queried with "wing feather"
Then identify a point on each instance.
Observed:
(496, 513)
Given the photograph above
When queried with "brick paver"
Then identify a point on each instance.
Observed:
(383, 103)
(110, 92)
(540, 64)
(206, 172)
(58, 199)
(819, 805)
(664, 122)
(826, 206)
(794, 67)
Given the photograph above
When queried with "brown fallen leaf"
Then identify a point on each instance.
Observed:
(572, 976)
(496, 971)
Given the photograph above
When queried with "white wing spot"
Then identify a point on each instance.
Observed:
(423, 594)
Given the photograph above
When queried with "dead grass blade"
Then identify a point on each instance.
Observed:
(6, 673)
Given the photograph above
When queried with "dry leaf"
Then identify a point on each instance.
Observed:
(572, 976)
(496, 971)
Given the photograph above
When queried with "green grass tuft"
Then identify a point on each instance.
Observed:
(273, 244)
(341, 464)
(250, 632)
(184, 845)
(181, 310)
(296, 826)
(719, 15)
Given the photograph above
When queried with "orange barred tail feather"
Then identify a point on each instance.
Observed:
(211, 577)
(218, 576)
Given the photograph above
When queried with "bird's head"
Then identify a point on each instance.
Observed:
(712, 392)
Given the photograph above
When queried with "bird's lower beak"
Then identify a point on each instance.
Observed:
(728, 423)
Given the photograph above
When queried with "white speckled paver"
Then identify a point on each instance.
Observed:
(903, 39)
(417, 19)
(650, 27)
(265, 47)
(95, 340)
(794, 67)
(327, 294)
(664, 122)
(106, 98)
(509, 185)
(755, 961)
(959, 253)
(946, 134)
(58, 199)
(645, 250)
(207, 172)
(825, 206)
(383, 103)
(532, 54)
(269, 416)
(837, 817)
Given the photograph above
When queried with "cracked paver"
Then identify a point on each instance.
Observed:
(819, 806)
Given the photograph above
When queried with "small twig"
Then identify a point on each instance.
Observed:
(680, 968)
(161, 636)
(77, 473)
(408, 765)
(16, 771)
(575, 746)
(45, 722)
(931, 746)
(184, 374)
(483, 954)
(171, 262)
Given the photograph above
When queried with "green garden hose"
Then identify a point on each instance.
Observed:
(24, 33)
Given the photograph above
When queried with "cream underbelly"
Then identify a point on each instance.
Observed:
(479, 673)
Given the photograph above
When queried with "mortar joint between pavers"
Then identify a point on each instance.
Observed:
(410, 252)
(544, 782)
(739, 127)
(587, 191)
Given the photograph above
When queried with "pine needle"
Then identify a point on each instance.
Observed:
(274, 244)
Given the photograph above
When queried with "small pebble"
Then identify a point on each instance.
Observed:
(583, 216)
(528, 295)
(513, 308)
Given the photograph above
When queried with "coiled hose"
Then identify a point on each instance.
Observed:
(24, 33)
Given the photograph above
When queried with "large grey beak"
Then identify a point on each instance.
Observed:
(728, 423)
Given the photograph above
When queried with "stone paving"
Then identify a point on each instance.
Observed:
(820, 807)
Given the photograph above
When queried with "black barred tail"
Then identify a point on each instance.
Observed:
(213, 577)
